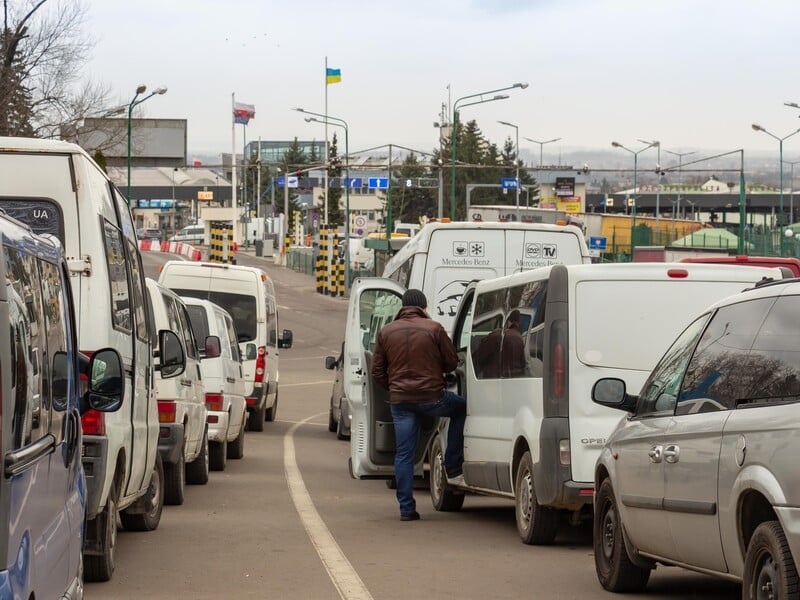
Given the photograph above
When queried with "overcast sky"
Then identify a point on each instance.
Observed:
(693, 74)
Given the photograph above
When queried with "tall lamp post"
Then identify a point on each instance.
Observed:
(657, 144)
(541, 146)
(791, 188)
(454, 134)
(337, 122)
(635, 184)
(516, 132)
(680, 156)
(133, 103)
(780, 162)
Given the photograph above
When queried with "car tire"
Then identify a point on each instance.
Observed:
(100, 567)
(175, 481)
(217, 455)
(615, 569)
(236, 447)
(255, 419)
(332, 425)
(149, 520)
(340, 434)
(769, 570)
(443, 497)
(272, 411)
(536, 524)
(197, 470)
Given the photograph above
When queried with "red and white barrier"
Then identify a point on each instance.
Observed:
(186, 250)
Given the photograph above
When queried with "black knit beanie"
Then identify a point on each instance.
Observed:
(414, 297)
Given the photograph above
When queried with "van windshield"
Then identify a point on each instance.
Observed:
(241, 307)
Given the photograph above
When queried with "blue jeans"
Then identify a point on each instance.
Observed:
(406, 427)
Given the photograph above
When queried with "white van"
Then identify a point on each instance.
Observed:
(532, 432)
(248, 294)
(56, 188)
(191, 234)
(182, 442)
(221, 365)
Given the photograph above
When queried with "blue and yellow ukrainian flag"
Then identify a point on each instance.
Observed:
(333, 76)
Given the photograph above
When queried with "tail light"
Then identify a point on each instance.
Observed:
(214, 401)
(93, 423)
(558, 371)
(166, 411)
(564, 455)
(261, 363)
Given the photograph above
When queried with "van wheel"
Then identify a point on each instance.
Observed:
(769, 571)
(615, 570)
(340, 434)
(272, 411)
(149, 520)
(217, 455)
(100, 567)
(332, 426)
(443, 497)
(175, 481)
(255, 419)
(536, 524)
(236, 448)
(197, 470)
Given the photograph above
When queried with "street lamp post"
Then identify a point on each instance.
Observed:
(680, 156)
(791, 188)
(518, 183)
(337, 122)
(657, 144)
(133, 103)
(541, 146)
(635, 185)
(780, 162)
(454, 133)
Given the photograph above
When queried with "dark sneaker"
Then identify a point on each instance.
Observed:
(453, 472)
(414, 516)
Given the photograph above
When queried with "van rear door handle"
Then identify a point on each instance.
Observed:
(655, 454)
(186, 382)
(672, 453)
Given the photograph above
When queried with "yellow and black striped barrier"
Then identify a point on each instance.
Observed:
(221, 248)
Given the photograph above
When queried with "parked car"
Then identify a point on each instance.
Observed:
(56, 188)
(43, 488)
(339, 410)
(191, 234)
(223, 378)
(182, 442)
(248, 294)
(703, 471)
(149, 233)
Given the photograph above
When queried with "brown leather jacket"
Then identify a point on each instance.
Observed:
(412, 353)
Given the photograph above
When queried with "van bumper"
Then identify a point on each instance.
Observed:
(257, 398)
(170, 442)
(94, 456)
(554, 484)
(217, 426)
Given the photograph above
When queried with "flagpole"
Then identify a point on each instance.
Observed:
(326, 141)
(233, 164)
(244, 168)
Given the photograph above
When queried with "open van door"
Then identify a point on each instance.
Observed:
(374, 302)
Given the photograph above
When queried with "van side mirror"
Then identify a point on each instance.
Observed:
(106, 391)
(610, 392)
(170, 351)
(213, 348)
(285, 340)
(330, 362)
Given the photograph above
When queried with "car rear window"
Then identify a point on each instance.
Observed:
(199, 321)
(241, 307)
(41, 215)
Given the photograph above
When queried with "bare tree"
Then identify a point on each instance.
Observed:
(43, 49)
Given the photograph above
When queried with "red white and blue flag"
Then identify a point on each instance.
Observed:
(242, 113)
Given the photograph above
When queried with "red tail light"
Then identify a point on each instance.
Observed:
(261, 363)
(214, 401)
(166, 411)
(93, 423)
(559, 361)
(558, 371)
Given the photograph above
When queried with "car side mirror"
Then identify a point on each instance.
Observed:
(285, 340)
(610, 392)
(330, 362)
(213, 348)
(170, 351)
(106, 391)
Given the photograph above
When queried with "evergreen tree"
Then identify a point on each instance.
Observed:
(100, 159)
(409, 203)
(335, 171)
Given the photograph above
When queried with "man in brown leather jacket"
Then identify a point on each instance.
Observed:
(412, 354)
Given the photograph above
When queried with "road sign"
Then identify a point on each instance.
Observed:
(360, 221)
(597, 243)
(381, 183)
(209, 195)
(509, 183)
(353, 182)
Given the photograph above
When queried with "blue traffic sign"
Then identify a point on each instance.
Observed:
(381, 183)
(597, 243)
(353, 182)
(509, 183)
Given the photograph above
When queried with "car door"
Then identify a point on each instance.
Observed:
(192, 376)
(638, 446)
(715, 379)
(373, 303)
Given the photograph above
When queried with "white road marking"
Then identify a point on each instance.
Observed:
(328, 381)
(342, 574)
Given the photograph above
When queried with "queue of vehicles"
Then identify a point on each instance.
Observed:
(127, 435)
(698, 474)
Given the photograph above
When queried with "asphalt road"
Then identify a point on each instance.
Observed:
(287, 521)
